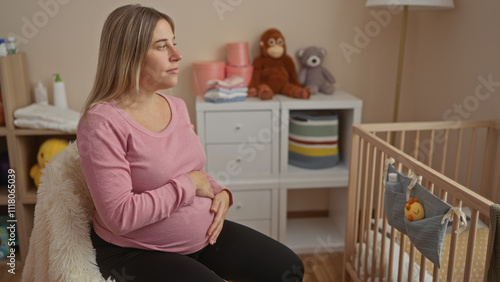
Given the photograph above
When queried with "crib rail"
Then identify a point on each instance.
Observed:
(459, 162)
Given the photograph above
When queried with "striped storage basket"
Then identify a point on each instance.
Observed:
(313, 139)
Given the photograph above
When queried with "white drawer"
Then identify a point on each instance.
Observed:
(250, 205)
(232, 127)
(239, 159)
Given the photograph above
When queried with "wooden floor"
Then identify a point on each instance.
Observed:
(319, 268)
(325, 267)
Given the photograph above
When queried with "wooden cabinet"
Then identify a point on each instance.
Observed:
(22, 146)
(247, 150)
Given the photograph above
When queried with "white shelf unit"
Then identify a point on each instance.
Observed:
(231, 133)
(313, 235)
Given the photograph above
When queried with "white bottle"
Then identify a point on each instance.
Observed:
(3, 48)
(41, 96)
(393, 184)
(60, 93)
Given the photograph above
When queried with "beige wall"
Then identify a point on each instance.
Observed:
(447, 55)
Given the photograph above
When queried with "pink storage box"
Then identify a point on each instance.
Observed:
(204, 71)
(237, 54)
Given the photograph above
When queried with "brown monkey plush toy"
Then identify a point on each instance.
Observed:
(274, 71)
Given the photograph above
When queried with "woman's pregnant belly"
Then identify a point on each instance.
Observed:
(185, 231)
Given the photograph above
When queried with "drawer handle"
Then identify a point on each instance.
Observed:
(238, 126)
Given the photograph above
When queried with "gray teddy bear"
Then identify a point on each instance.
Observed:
(313, 74)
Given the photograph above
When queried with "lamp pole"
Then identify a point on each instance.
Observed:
(400, 63)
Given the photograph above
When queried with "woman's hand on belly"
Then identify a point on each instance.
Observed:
(201, 184)
(220, 205)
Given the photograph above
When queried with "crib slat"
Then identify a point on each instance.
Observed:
(453, 246)
(471, 157)
(445, 150)
(416, 141)
(470, 245)
(491, 240)
(384, 228)
(457, 154)
(391, 252)
(379, 204)
(371, 179)
(431, 149)
(412, 261)
(361, 207)
(444, 194)
(496, 185)
(364, 230)
(383, 246)
(401, 147)
(352, 206)
(422, 268)
(435, 273)
(402, 243)
(496, 182)
(489, 164)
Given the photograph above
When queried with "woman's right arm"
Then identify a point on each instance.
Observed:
(102, 148)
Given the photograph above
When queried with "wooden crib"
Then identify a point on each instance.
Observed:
(459, 162)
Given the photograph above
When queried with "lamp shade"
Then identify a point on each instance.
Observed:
(412, 4)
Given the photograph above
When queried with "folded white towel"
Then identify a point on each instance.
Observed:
(41, 124)
(39, 116)
(229, 82)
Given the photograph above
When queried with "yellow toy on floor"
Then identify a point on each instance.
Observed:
(414, 210)
(46, 151)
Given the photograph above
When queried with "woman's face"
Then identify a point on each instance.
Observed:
(161, 66)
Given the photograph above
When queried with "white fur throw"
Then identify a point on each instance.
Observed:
(60, 247)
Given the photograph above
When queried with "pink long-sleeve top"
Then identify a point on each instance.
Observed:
(138, 179)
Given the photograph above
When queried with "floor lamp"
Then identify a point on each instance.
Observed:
(405, 5)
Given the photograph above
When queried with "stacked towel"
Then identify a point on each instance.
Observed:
(231, 89)
(38, 116)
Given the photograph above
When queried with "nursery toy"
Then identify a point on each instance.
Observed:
(414, 210)
(274, 71)
(313, 74)
(46, 151)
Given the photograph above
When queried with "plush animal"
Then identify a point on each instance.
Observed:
(414, 210)
(313, 74)
(46, 151)
(274, 71)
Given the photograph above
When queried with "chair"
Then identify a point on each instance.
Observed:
(60, 248)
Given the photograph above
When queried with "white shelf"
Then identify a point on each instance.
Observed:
(315, 235)
(338, 100)
(296, 177)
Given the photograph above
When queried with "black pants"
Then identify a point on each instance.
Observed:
(240, 254)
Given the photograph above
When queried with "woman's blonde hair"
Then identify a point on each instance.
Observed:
(125, 41)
